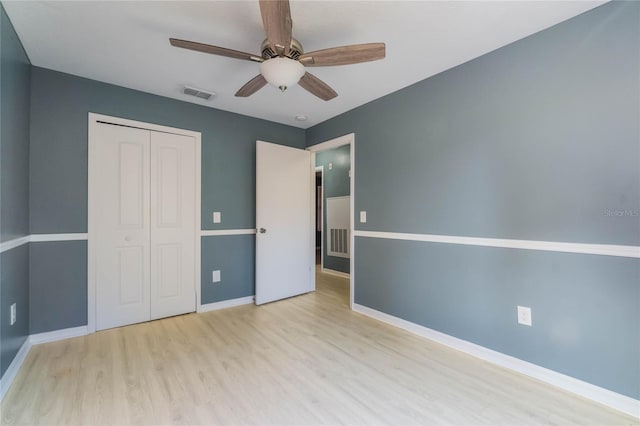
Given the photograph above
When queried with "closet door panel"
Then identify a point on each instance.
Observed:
(173, 219)
(123, 226)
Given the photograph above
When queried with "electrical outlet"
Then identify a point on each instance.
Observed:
(524, 315)
(217, 217)
(215, 276)
(13, 314)
(363, 217)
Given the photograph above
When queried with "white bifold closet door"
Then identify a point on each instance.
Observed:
(145, 232)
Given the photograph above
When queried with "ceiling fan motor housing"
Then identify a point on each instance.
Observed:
(295, 50)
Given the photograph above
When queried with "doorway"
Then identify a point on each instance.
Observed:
(318, 212)
(144, 222)
(333, 167)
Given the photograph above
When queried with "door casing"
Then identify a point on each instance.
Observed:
(349, 139)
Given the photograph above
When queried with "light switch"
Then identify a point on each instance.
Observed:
(13, 314)
(524, 315)
(215, 276)
(217, 217)
(363, 217)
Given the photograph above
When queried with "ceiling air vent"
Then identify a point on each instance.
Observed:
(198, 93)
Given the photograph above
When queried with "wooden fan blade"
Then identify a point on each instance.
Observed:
(255, 84)
(314, 85)
(214, 50)
(344, 55)
(276, 18)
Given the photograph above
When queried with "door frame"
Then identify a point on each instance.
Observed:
(94, 120)
(349, 139)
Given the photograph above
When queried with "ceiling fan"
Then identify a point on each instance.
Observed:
(283, 60)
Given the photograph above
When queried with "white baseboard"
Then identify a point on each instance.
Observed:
(35, 339)
(336, 273)
(14, 367)
(52, 336)
(225, 304)
(595, 393)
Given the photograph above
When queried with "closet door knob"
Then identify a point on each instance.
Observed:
(263, 231)
(128, 238)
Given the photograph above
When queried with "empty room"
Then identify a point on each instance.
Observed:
(458, 240)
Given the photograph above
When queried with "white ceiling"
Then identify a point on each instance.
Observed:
(126, 43)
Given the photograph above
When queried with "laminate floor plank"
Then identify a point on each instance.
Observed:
(305, 360)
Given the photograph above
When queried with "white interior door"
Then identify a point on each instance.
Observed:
(122, 226)
(172, 225)
(284, 204)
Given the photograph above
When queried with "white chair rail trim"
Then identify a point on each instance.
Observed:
(581, 248)
(83, 236)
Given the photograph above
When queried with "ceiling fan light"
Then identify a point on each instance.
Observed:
(282, 72)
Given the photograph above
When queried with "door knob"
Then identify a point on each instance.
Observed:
(263, 231)
(128, 238)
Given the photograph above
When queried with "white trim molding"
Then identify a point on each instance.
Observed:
(218, 232)
(16, 242)
(595, 393)
(53, 336)
(581, 248)
(349, 139)
(11, 372)
(107, 119)
(333, 143)
(336, 273)
(31, 340)
(225, 304)
(38, 238)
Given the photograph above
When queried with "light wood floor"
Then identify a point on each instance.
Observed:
(305, 360)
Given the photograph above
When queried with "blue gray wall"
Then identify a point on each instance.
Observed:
(15, 71)
(58, 278)
(58, 185)
(538, 140)
(234, 257)
(336, 184)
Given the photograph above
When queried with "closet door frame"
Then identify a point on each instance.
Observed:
(94, 121)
